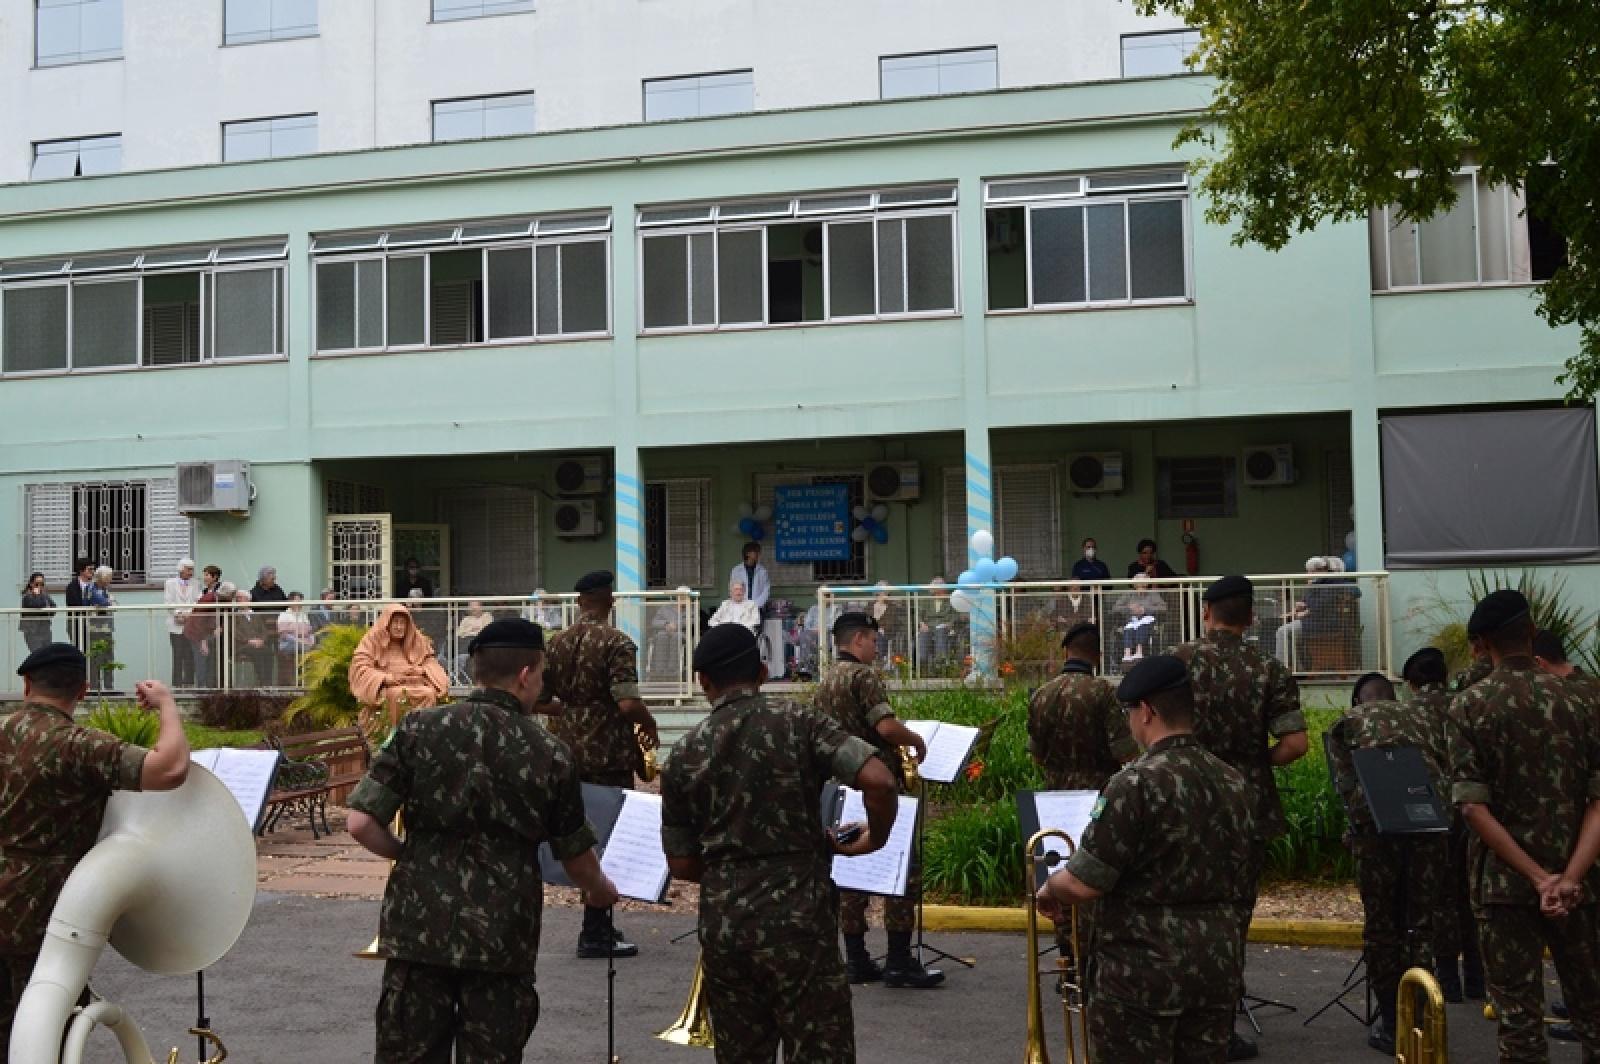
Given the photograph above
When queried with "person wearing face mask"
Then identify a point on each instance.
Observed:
(1090, 567)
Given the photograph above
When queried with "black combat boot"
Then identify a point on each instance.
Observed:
(599, 939)
(859, 967)
(1449, 980)
(1381, 1034)
(1241, 1048)
(904, 970)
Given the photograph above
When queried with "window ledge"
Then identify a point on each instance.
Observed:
(313, 35)
(578, 338)
(1477, 286)
(76, 63)
(96, 371)
(1087, 308)
(701, 330)
(478, 18)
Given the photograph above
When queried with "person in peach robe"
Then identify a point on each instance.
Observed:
(394, 666)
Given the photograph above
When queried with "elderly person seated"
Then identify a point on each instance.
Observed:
(1288, 633)
(737, 609)
(475, 620)
(938, 627)
(1141, 605)
(394, 667)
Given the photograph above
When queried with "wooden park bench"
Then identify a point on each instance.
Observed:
(317, 767)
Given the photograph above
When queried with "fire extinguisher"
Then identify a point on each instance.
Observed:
(1191, 554)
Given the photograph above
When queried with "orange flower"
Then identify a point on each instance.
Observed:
(974, 771)
(1007, 669)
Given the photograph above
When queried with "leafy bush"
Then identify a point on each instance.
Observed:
(240, 710)
(1552, 608)
(1313, 846)
(1005, 767)
(974, 855)
(325, 674)
(1029, 651)
(127, 722)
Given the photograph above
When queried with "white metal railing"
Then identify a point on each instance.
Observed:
(1326, 627)
(241, 646)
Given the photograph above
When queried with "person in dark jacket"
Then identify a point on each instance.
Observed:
(35, 626)
(266, 592)
(1147, 564)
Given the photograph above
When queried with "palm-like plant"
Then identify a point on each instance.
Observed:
(325, 674)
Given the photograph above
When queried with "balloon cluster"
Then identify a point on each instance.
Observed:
(752, 523)
(870, 523)
(987, 570)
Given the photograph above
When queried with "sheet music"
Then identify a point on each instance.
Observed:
(948, 747)
(633, 855)
(883, 871)
(246, 773)
(1065, 811)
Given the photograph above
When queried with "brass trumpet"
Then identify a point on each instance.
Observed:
(648, 767)
(1427, 1042)
(693, 1025)
(1068, 973)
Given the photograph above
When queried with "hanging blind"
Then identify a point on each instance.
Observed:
(494, 538)
(683, 522)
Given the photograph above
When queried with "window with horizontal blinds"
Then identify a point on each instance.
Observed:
(132, 525)
(1203, 486)
(494, 538)
(350, 497)
(1027, 520)
(677, 517)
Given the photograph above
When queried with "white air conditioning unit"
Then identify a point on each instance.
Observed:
(1095, 473)
(1268, 465)
(894, 482)
(578, 519)
(214, 488)
(581, 475)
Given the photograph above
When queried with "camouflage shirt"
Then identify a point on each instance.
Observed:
(55, 778)
(1478, 670)
(1077, 730)
(481, 784)
(742, 792)
(1167, 840)
(1242, 697)
(591, 667)
(1528, 749)
(1375, 725)
(853, 696)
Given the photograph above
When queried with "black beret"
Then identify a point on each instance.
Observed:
(508, 632)
(855, 621)
(1152, 676)
(1416, 660)
(53, 654)
(1496, 610)
(1079, 629)
(1228, 587)
(724, 646)
(599, 580)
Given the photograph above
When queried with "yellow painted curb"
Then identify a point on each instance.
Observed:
(1339, 934)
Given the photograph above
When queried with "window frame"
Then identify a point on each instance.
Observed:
(40, 63)
(644, 93)
(1122, 53)
(316, 129)
(1084, 197)
(78, 153)
(939, 53)
(433, 109)
(273, 37)
(433, 13)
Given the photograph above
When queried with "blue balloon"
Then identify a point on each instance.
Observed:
(1349, 560)
(1005, 570)
(869, 524)
(747, 525)
(968, 578)
(985, 570)
(879, 533)
(757, 533)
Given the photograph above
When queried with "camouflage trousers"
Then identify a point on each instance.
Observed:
(899, 914)
(1455, 929)
(1123, 1033)
(1390, 901)
(1513, 939)
(426, 1012)
(794, 994)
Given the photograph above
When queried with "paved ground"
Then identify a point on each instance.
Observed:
(291, 991)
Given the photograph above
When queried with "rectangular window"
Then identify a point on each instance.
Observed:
(1541, 461)
(938, 73)
(699, 95)
(35, 335)
(1196, 487)
(853, 256)
(678, 533)
(172, 321)
(1027, 515)
(479, 117)
(83, 157)
(269, 138)
(133, 526)
(250, 21)
(1492, 234)
(246, 312)
(1149, 55)
(77, 31)
(1102, 240)
(450, 10)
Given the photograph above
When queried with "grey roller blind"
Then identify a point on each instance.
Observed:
(1493, 486)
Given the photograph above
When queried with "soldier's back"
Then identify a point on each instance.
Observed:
(1078, 732)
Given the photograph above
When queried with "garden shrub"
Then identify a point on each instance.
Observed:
(126, 721)
(240, 710)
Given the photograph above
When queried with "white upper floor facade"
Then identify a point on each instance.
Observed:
(98, 86)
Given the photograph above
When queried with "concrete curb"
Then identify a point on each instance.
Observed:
(1338, 934)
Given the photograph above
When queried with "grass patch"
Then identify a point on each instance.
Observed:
(203, 737)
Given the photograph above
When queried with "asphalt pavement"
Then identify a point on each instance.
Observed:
(292, 991)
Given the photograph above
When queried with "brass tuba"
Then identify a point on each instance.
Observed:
(1068, 973)
(693, 1025)
(170, 884)
(1427, 1043)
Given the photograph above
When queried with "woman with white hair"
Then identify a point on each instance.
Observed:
(102, 631)
(1289, 632)
(178, 592)
(736, 609)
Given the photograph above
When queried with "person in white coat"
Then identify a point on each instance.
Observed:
(180, 592)
(753, 575)
(736, 609)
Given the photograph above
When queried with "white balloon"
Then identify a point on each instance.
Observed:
(880, 513)
(959, 602)
(859, 535)
(746, 510)
(859, 513)
(983, 543)
(763, 513)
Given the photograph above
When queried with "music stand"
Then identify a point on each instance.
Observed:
(1352, 981)
(980, 746)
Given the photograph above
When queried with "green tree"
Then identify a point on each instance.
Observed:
(1323, 106)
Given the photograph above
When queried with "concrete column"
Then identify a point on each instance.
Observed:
(628, 474)
(975, 395)
(1367, 483)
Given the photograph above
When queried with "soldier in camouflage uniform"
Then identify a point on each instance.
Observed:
(740, 816)
(853, 696)
(1480, 667)
(593, 676)
(1525, 758)
(1167, 962)
(481, 785)
(1455, 930)
(1401, 879)
(55, 779)
(1076, 730)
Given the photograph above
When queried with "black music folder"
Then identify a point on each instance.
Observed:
(1399, 791)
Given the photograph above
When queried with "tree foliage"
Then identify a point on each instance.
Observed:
(1323, 107)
